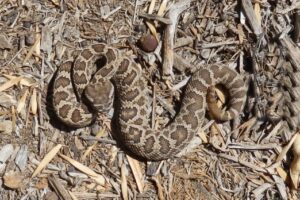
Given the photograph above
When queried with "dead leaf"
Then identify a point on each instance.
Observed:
(10, 83)
(295, 165)
(124, 186)
(97, 177)
(285, 149)
(48, 157)
(137, 173)
(22, 102)
(13, 180)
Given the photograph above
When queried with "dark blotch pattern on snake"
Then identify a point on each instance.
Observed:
(135, 100)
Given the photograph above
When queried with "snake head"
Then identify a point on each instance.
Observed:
(100, 95)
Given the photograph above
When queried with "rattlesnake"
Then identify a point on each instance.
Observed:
(80, 80)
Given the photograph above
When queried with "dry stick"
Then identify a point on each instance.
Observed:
(59, 189)
(90, 195)
(155, 17)
(218, 44)
(184, 41)
(296, 34)
(293, 53)
(292, 50)
(151, 24)
(252, 20)
(251, 146)
(295, 5)
(295, 165)
(169, 35)
(242, 162)
(257, 91)
(41, 119)
(92, 138)
(135, 11)
(111, 12)
(205, 11)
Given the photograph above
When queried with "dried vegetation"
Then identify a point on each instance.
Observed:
(254, 157)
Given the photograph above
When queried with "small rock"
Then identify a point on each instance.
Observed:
(148, 43)
(205, 53)
(29, 39)
(6, 152)
(27, 24)
(104, 10)
(22, 156)
(221, 29)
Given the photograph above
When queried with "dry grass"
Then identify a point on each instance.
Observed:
(248, 158)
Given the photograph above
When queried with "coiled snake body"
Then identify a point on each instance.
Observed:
(78, 79)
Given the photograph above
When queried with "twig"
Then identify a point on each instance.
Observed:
(294, 6)
(296, 34)
(106, 141)
(59, 188)
(292, 50)
(180, 42)
(252, 20)
(242, 162)
(252, 146)
(218, 44)
(169, 35)
(157, 18)
(111, 12)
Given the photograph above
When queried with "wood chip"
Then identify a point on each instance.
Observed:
(13, 180)
(137, 173)
(10, 83)
(97, 177)
(48, 157)
(124, 182)
(4, 42)
(295, 165)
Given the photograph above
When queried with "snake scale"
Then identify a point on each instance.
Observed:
(81, 91)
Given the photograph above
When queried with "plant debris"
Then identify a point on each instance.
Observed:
(255, 156)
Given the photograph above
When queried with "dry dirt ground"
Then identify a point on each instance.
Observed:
(254, 156)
